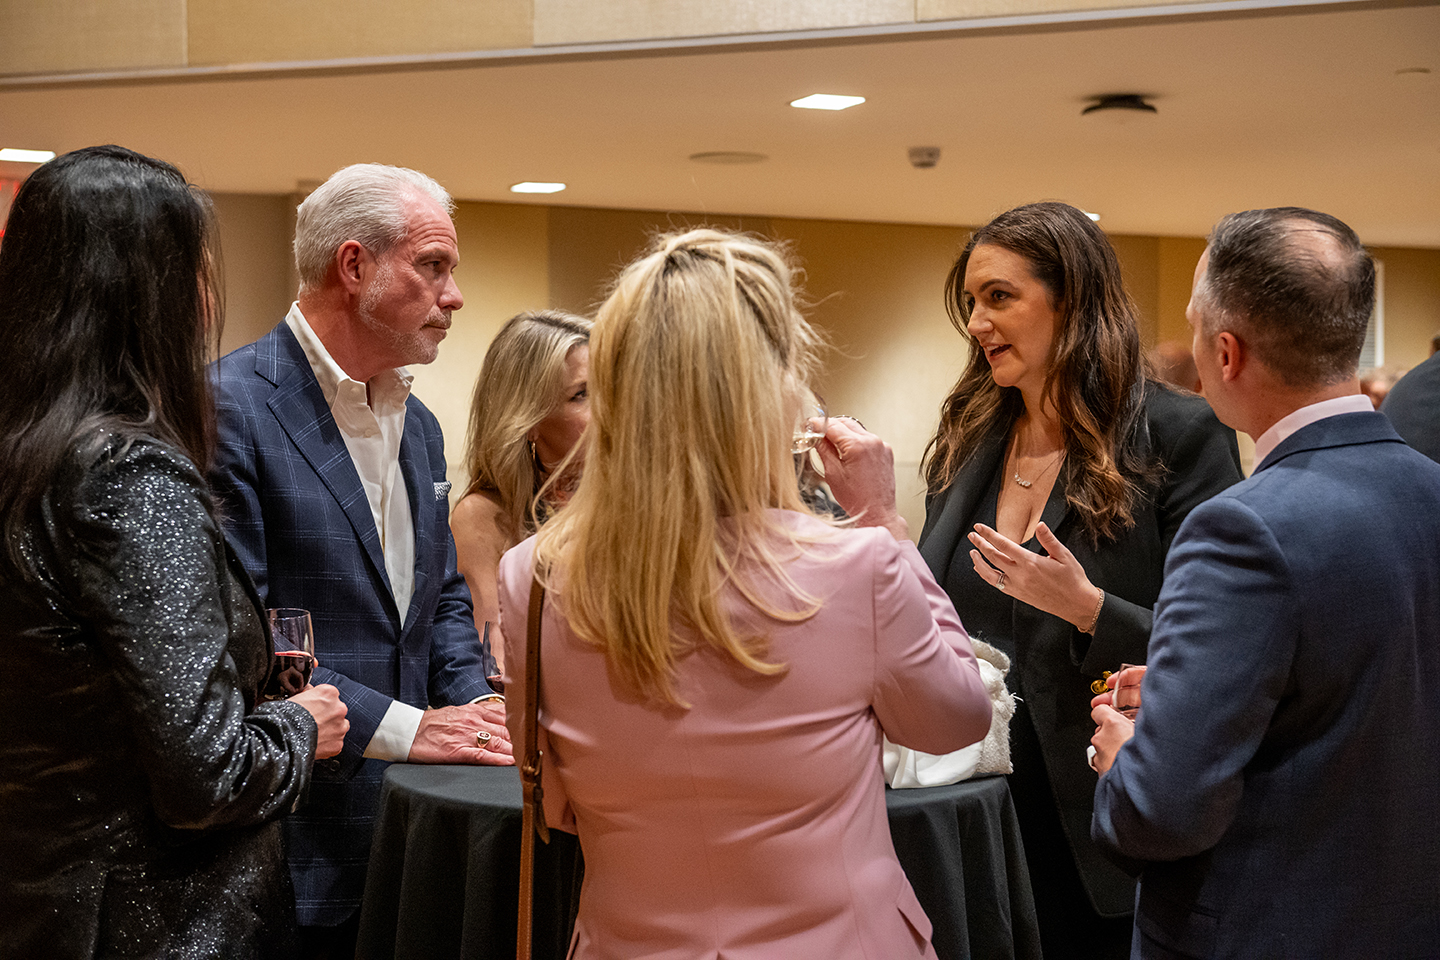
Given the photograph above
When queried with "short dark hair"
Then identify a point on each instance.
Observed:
(107, 275)
(1302, 307)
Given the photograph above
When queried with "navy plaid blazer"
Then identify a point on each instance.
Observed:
(294, 509)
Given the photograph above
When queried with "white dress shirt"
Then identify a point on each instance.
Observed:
(1288, 424)
(371, 418)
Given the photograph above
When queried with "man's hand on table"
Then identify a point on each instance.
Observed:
(448, 735)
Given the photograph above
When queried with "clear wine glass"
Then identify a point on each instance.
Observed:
(293, 636)
(809, 422)
(1126, 697)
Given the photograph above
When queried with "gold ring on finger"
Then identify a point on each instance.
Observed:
(481, 738)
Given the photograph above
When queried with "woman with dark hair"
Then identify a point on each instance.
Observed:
(140, 776)
(529, 409)
(1056, 480)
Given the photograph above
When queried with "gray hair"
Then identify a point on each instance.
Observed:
(1302, 301)
(363, 202)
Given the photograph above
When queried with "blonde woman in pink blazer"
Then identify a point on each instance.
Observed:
(719, 663)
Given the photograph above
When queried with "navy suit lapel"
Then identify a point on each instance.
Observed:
(1340, 430)
(419, 485)
(300, 409)
(939, 539)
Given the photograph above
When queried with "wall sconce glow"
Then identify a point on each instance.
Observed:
(1092, 216)
(535, 186)
(26, 156)
(826, 101)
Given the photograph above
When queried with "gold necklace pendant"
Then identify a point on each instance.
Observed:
(1027, 484)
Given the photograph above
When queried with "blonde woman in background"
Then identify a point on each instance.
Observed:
(529, 410)
(719, 663)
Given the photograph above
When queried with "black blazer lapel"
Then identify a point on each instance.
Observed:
(300, 409)
(956, 505)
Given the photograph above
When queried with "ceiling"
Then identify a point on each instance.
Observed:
(1320, 109)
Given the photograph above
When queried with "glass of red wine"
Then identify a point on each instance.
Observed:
(294, 644)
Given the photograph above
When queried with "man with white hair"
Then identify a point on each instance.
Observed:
(331, 480)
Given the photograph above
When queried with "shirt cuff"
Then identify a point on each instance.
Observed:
(396, 733)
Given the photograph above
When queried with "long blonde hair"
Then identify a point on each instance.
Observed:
(521, 382)
(694, 368)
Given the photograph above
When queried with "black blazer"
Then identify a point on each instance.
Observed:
(140, 780)
(1054, 662)
(1413, 406)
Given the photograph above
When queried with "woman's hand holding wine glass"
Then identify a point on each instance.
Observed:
(294, 647)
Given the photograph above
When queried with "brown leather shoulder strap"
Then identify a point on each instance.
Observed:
(530, 767)
(533, 818)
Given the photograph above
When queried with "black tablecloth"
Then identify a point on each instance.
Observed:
(960, 847)
(444, 868)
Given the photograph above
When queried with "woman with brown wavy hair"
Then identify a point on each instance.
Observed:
(1056, 479)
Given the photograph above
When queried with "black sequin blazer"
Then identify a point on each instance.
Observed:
(140, 782)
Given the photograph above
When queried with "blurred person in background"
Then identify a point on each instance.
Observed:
(1413, 406)
(1376, 383)
(1175, 365)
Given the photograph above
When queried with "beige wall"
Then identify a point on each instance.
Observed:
(61, 36)
(1178, 257)
(1412, 303)
(878, 292)
(879, 297)
(254, 246)
(224, 32)
(66, 36)
(585, 21)
(504, 268)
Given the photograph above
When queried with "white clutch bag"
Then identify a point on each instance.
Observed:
(911, 768)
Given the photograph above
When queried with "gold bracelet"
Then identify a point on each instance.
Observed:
(1095, 620)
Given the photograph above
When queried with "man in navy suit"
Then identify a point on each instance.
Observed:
(1277, 792)
(331, 479)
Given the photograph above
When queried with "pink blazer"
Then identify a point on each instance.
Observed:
(753, 824)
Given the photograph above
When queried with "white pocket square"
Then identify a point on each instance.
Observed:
(442, 489)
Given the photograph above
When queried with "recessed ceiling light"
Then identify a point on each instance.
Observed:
(1092, 216)
(728, 157)
(826, 101)
(535, 186)
(27, 156)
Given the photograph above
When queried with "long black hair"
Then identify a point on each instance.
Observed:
(109, 297)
